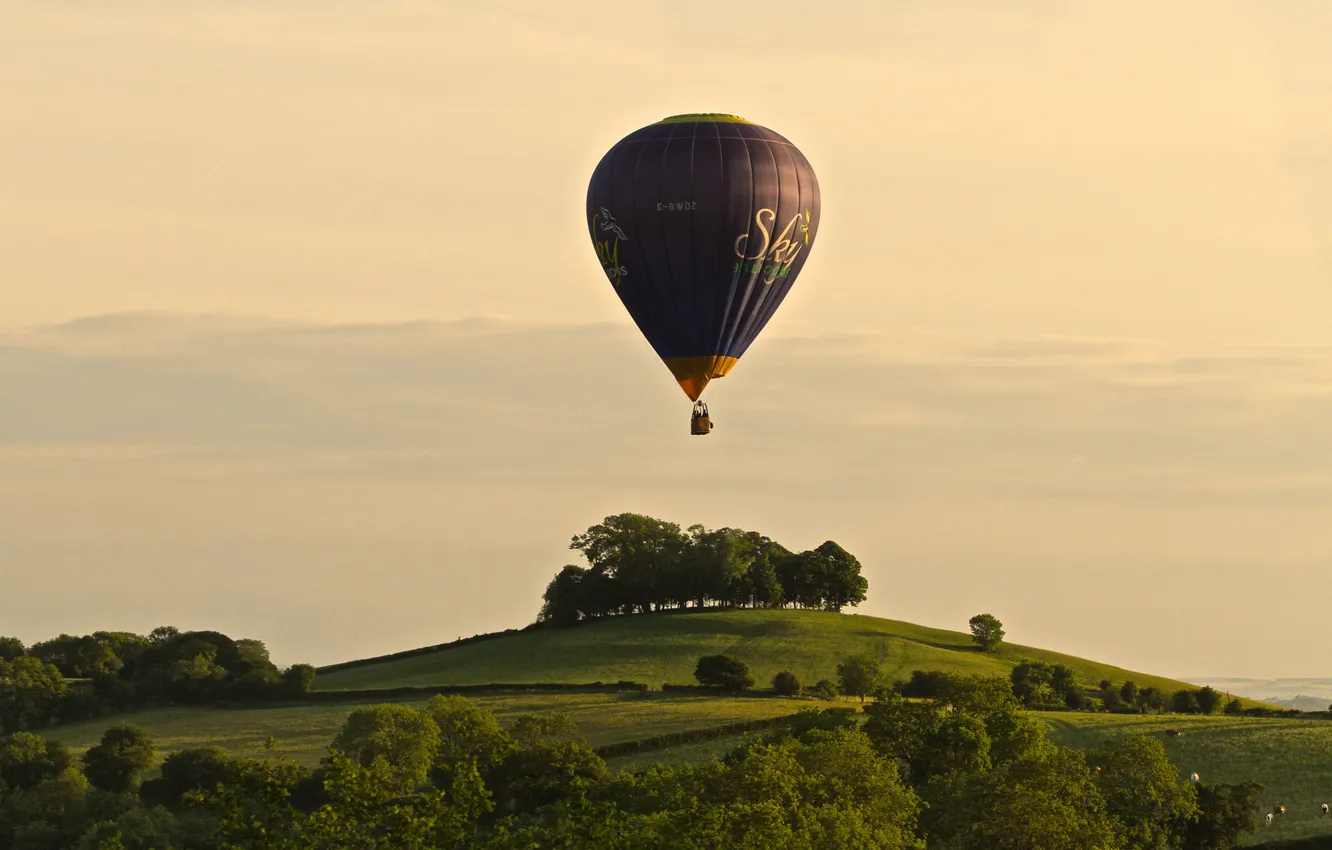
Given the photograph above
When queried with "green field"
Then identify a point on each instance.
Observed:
(663, 647)
(303, 732)
(1292, 758)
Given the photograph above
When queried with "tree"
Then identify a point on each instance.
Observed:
(1033, 683)
(562, 603)
(298, 678)
(29, 691)
(722, 671)
(1046, 801)
(546, 774)
(1062, 679)
(1109, 696)
(162, 634)
(201, 769)
(10, 648)
(117, 762)
(1208, 700)
(786, 684)
(468, 734)
(837, 575)
(639, 553)
(1075, 700)
(1143, 794)
(27, 760)
(986, 631)
(1234, 707)
(1184, 702)
(405, 738)
(1227, 814)
(1152, 698)
(1129, 693)
(859, 675)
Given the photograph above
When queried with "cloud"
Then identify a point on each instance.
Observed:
(475, 399)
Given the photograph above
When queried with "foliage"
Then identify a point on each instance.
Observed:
(1149, 805)
(724, 672)
(30, 689)
(986, 631)
(117, 762)
(1227, 812)
(10, 648)
(787, 684)
(27, 760)
(1208, 700)
(962, 771)
(299, 678)
(638, 564)
(405, 741)
(859, 675)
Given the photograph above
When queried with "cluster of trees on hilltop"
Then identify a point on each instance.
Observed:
(976, 775)
(638, 564)
(77, 677)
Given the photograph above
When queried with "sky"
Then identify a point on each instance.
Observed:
(301, 337)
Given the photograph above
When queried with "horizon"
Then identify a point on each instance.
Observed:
(301, 338)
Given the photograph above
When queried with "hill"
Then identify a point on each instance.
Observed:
(663, 647)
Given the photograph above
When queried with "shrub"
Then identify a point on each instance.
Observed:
(786, 684)
(722, 671)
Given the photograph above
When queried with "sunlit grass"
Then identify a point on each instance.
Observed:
(303, 732)
(664, 647)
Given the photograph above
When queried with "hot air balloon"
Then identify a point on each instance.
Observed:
(702, 223)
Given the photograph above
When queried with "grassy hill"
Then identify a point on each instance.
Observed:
(663, 648)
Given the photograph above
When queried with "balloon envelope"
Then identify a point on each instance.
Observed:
(702, 223)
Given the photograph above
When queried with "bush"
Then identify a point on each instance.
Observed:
(786, 684)
(826, 690)
(117, 763)
(1234, 707)
(925, 684)
(722, 671)
(298, 678)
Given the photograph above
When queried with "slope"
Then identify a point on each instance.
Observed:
(663, 648)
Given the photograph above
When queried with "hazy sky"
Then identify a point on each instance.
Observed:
(301, 337)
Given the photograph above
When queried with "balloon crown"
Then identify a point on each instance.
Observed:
(704, 116)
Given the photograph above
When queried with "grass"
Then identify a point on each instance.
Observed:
(1292, 758)
(303, 732)
(663, 647)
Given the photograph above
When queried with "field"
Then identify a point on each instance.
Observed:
(663, 647)
(304, 731)
(1292, 758)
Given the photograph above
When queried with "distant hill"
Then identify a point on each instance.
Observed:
(663, 648)
(1305, 694)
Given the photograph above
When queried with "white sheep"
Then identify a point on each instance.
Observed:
(1324, 808)
(1269, 818)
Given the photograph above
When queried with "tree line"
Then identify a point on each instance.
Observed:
(1036, 685)
(967, 771)
(79, 677)
(637, 564)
